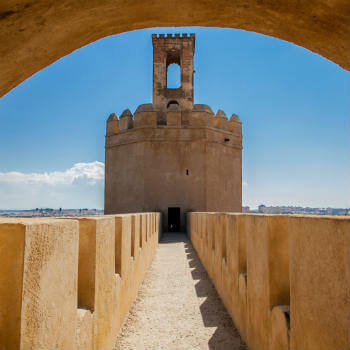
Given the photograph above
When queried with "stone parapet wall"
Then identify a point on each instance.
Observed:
(285, 280)
(69, 283)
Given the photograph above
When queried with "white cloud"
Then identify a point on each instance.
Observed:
(92, 172)
(245, 183)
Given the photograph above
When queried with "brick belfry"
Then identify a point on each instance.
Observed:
(166, 51)
(172, 155)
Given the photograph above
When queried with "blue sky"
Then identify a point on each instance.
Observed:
(294, 105)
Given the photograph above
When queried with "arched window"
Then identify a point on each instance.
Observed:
(172, 103)
(173, 76)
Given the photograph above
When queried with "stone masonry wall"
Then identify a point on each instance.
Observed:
(285, 280)
(173, 49)
(69, 283)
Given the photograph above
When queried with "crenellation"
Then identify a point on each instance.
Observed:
(235, 118)
(145, 115)
(111, 117)
(182, 36)
(235, 124)
(220, 120)
(126, 120)
(202, 116)
(112, 124)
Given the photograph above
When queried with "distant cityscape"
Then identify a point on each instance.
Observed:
(263, 209)
(49, 212)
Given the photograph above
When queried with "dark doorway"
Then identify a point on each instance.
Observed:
(173, 219)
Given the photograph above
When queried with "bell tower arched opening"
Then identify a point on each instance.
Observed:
(173, 78)
(169, 50)
(172, 104)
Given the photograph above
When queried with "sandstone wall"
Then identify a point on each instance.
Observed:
(69, 283)
(284, 279)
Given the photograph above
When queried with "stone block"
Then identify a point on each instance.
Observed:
(112, 124)
(173, 118)
(96, 275)
(235, 124)
(145, 115)
(142, 119)
(38, 283)
(126, 120)
(320, 283)
(220, 120)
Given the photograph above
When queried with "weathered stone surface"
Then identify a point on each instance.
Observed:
(167, 50)
(220, 120)
(69, 284)
(235, 118)
(126, 120)
(202, 108)
(35, 34)
(194, 167)
(284, 279)
(146, 107)
(112, 124)
(235, 125)
(38, 283)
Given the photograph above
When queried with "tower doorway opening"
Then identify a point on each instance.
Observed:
(173, 219)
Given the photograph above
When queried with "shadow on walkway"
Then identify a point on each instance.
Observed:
(214, 314)
(177, 306)
(173, 237)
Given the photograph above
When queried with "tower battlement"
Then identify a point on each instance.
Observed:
(173, 36)
(174, 107)
(146, 116)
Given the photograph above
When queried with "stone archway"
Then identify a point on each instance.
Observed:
(34, 34)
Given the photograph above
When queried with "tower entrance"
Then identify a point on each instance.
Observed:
(173, 219)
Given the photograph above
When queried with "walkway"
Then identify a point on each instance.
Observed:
(177, 307)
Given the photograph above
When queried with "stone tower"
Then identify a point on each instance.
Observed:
(173, 50)
(173, 156)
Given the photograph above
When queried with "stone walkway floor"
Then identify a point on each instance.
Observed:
(177, 306)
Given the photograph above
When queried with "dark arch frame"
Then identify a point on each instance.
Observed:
(172, 102)
(35, 34)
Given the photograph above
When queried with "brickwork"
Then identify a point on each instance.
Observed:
(173, 49)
